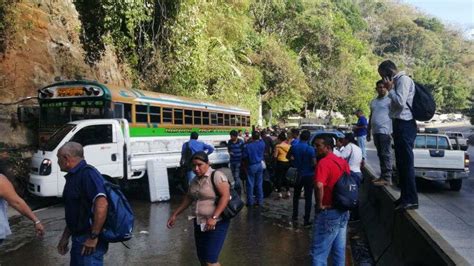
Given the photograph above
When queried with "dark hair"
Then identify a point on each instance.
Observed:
(201, 156)
(378, 82)
(194, 135)
(328, 141)
(234, 133)
(295, 132)
(350, 137)
(255, 135)
(388, 67)
(305, 134)
(282, 136)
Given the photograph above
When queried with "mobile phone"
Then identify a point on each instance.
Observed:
(203, 227)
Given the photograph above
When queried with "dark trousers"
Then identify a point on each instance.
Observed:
(305, 182)
(281, 169)
(404, 134)
(383, 144)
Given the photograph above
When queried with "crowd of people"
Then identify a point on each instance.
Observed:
(271, 151)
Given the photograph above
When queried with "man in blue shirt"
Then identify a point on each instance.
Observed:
(360, 132)
(189, 149)
(253, 152)
(235, 147)
(303, 158)
(84, 201)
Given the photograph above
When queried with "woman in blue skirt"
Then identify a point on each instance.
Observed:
(210, 229)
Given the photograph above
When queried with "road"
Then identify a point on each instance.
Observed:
(450, 213)
(261, 236)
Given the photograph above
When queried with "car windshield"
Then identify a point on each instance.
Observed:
(57, 137)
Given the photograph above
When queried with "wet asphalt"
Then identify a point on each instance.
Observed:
(257, 236)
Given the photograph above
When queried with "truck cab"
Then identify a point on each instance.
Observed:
(104, 146)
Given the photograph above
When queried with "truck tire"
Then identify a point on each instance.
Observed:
(455, 184)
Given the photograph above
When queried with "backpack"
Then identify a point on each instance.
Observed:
(185, 161)
(424, 106)
(118, 225)
(345, 194)
(235, 204)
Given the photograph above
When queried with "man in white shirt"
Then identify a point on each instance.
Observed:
(380, 126)
(351, 153)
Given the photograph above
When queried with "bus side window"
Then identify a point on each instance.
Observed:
(167, 115)
(248, 121)
(92, 135)
(178, 116)
(197, 117)
(214, 119)
(155, 114)
(220, 119)
(127, 111)
(188, 117)
(227, 119)
(205, 118)
(141, 113)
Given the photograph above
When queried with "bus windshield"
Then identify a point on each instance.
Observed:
(57, 137)
(58, 116)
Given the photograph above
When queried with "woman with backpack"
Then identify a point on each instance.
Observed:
(210, 229)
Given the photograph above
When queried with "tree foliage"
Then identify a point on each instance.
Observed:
(287, 53)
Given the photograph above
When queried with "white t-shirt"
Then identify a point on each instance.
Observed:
(353, 155)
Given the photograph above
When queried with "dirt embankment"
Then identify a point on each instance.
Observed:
(42, 43)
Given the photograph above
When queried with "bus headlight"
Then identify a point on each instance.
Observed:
(45, 167)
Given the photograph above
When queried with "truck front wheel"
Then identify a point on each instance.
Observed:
(455, 184)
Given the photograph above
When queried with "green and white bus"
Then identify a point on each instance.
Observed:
(123, 130)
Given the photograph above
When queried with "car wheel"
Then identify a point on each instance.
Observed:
(455, 184)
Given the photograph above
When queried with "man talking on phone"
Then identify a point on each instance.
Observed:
(401, 90)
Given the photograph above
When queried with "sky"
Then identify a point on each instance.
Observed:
(459, 13)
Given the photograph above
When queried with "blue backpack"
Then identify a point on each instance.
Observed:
(118, 225)
(345, 194)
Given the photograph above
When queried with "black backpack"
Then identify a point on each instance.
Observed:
(424, 105)
(185, 161)
(345, 194)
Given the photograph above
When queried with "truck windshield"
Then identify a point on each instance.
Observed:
(57, 137)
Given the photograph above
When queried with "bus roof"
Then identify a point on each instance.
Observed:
(122, 94)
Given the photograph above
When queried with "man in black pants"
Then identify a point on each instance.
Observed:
(303, 157)
(401, 92)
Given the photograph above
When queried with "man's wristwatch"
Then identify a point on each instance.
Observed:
(93, 235)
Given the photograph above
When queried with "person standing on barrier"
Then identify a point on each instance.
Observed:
(303, 157)
(380, 127)
(253, 153)
(330, 224)
(401, 92)
(189, 149)
(235, 146)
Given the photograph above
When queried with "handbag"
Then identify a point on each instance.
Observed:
(235, 204)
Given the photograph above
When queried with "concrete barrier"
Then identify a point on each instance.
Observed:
(400, 237)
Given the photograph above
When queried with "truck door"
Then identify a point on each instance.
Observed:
(101, 148)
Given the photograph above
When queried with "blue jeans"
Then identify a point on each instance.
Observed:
(404, 134)
(329, 235)
(94, 259)
(209, 243)
(383, 144)
(235, 169)
(255, 180)
(189, 176)
(361, 143)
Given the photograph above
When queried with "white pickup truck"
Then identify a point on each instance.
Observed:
(436, 160)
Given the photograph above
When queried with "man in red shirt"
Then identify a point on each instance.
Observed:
(330, 224)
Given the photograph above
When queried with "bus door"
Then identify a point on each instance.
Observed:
(102, 148)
